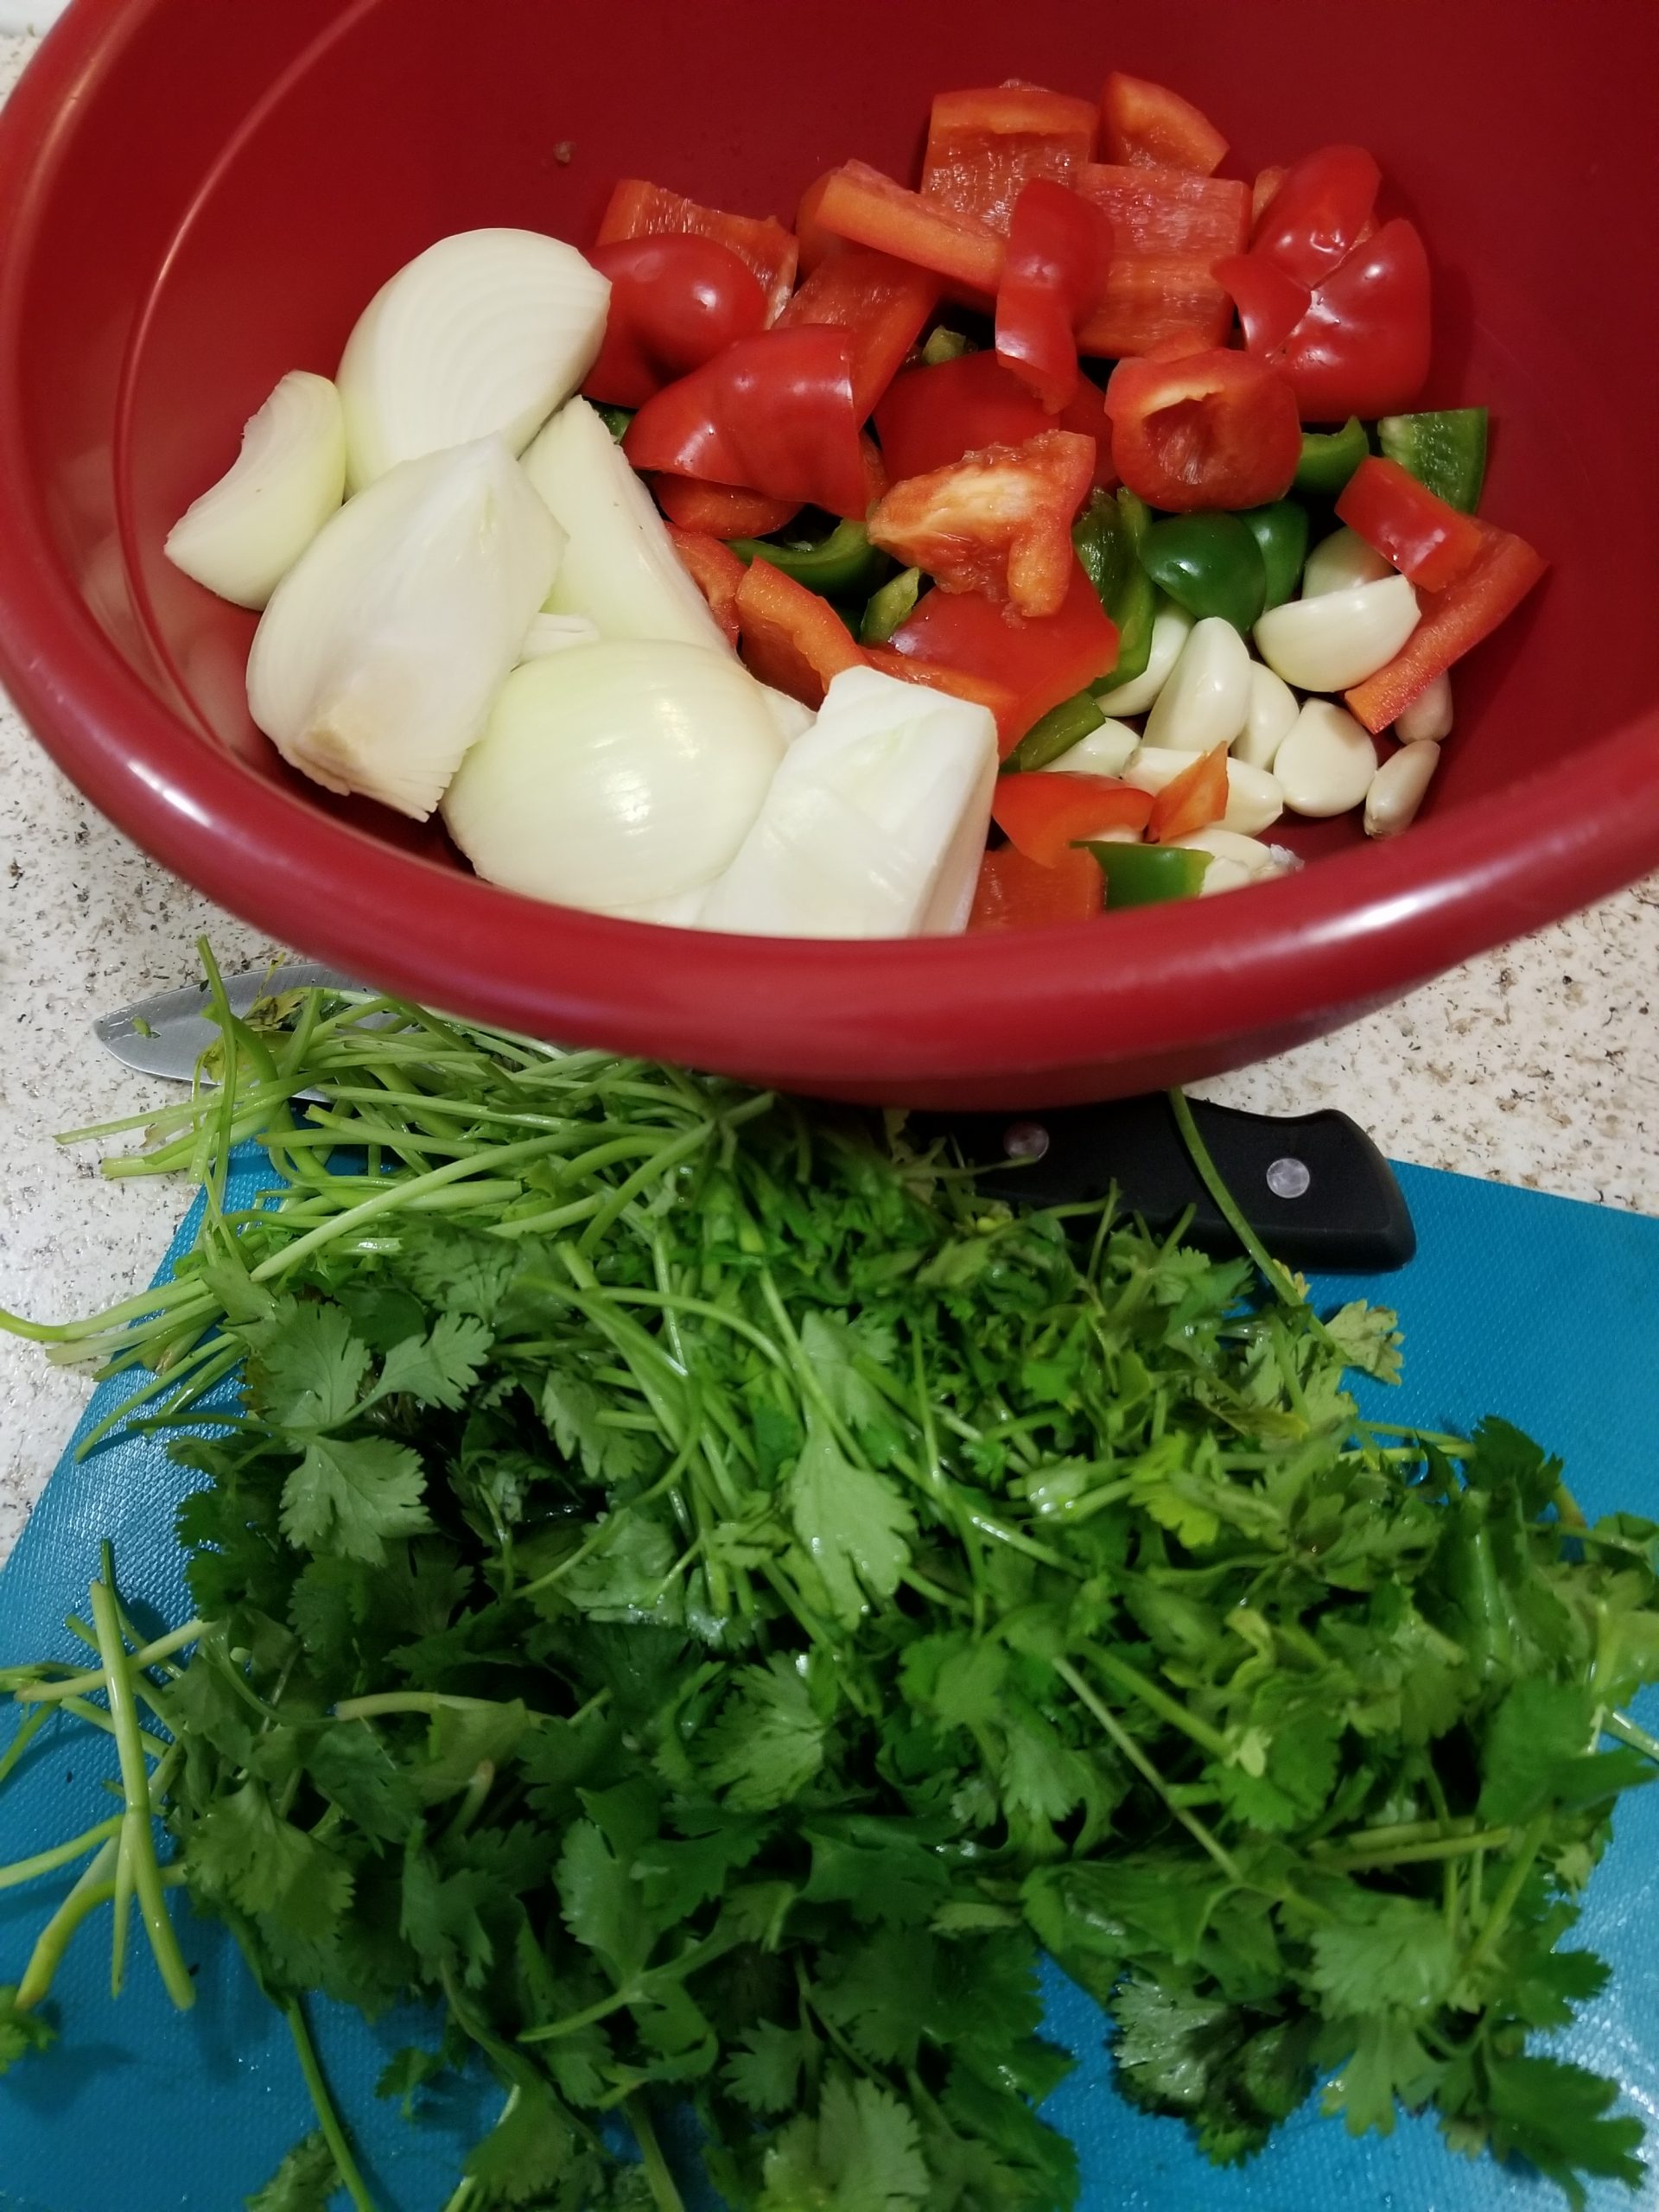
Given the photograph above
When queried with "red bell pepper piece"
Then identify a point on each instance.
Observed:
(1169, 212)
(1362, 347)
(997, 522)
(1017, 893)
(1213, 429)
(1450, 623)
(1190, 801)
(1150, 297)
(715, 570)
(980, 691)
(1408, 524)
(638, 210)
(1148, 125)
(1319, 213)
(880, 303)
(792, 638)
(1267, 182)
(984, 147)
(812, 241)
(1270, 303)
(1045, 815)
(775, 413)
(721, 510)
(676, 301)
(860, 204)
(1038, 663)
(1059, 255)
(933, 416)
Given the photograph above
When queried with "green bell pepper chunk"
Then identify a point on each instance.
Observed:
(616, 420)
(885, 609)
(1149, 876)
(1060, 728)
(1210, 564)
(1446, 450)
(1107, 535)
(1330, 458)
(844, 565)
(1281, 530)
(945, 345)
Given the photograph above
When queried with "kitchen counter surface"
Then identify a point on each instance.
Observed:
(1538, 1065)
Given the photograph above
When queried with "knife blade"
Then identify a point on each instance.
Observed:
(1312, 1186)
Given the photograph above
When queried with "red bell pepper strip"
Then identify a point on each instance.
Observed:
(1405, 521)
(1037, 664)
(931, 417)
(880, 303)
(774, 413)
(792, 638)
(676, 301)
(1191, 801)
(980, 691)
(1318, 213)
(1146, 124)
(812, 241)
(1213, 429)
(1169, 212)
(1017, 893)
(1059, 256)
(1045, 815)
(1362, 347)
(715, 570)
(997, 522)
(721, 509)
(1151, 297)
(638, 210)
(1450, 623)
(860, 204)
(1270, 303)
(984, 147)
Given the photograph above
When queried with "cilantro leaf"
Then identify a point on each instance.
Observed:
(350, 1497)
(1537, 1753)
(307, 1365)
(21, 2032)
(767, 1741)
(861, 2153)
(1369, 1339)
(305, 2181)
(1557, 2116)
(601, 1902)
(764, 2072)
(852, 1524)
(440, 1369)
(531, 2150)
(1387, 1951)
(1389, 2065)
(572, 1410)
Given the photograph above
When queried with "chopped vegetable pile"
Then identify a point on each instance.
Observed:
(705, 1599)
(879, 466)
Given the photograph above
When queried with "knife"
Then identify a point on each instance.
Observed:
(1313, 1186)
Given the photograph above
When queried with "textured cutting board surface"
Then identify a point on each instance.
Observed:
(1539, 1308)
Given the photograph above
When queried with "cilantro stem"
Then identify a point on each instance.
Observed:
(135, 1783)
(1453, 1446)
(1531, 1843)
(151, 1746)
(31, 1725)
(152, 1654)
(328, 2117)
(638, 2115)
(428, 1701)
(1144, 1767)
(93, 1889)
(1160, 1701)
(1616, 1724)
(60, 1854)
(1210, 1175)
(1418, 1854)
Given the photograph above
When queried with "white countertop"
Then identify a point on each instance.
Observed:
(1538, 1065)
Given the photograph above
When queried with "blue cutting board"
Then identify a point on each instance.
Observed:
(1536, 1308)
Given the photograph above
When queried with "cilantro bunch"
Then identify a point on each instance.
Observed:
(706, 1600)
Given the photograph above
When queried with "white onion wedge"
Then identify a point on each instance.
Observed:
(482, 335)
(874, 826)
(555, 633)
(620, 777)
(383, 648)
(620, 569)
(241, 538)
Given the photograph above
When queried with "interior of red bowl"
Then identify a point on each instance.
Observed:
(254, 174)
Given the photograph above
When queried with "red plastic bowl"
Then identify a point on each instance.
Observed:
(199, 196)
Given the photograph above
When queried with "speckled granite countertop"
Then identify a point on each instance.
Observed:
(1539, 1064)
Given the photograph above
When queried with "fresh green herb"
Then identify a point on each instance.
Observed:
(704, 1597)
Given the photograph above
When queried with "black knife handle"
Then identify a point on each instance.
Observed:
(1313, 1186)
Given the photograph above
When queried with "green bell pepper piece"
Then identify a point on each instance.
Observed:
(945, 345)
(1149, 876)
(844, 565)
(1060, 728)
(616, 420)
(885, 609)
(1210, 564)
(1281, 530)
(1446, 450)
(1107, 535)
(1330, 458)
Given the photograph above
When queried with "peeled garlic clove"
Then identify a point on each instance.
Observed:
(241, 538)
(620, 569)
(482, 335)
(1271, 718)
(1326, 764)
(1235, 860)
(555, 633)
(1206, 699)
(1171, 625)
(1254, 798)
(1340, 638)
(1340, 561)
(874, 826)
(1399, 787)
(382, 649)
(1427, 720)
(1105, 752)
